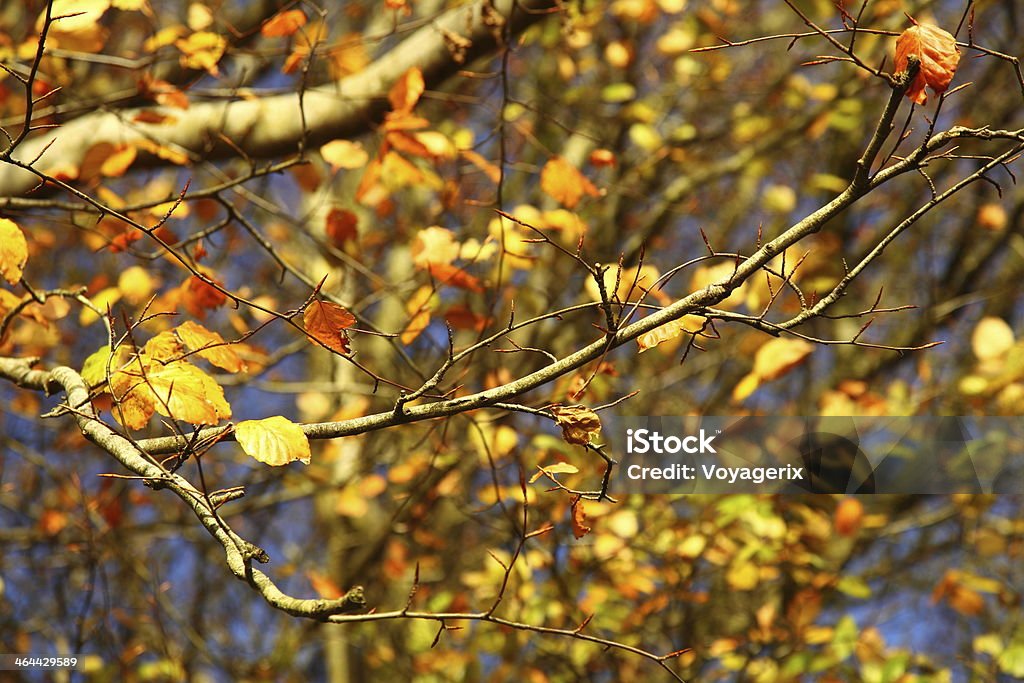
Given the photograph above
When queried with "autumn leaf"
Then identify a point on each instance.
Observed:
(848, 517)
(992, 338)
(184, 392)
(579, 424)
(324, 586)
(773, 360)
(557, 468)
(418, 308)
(434, 246)
(447, 274)
(202, 50)
(284, 24)
(273, 441)
(13, 251)
(691, 324)
(937, 53)
(115, 165)
(406, 91)
(341, 227)
(209, 345)
(564, 183)
(579, 518)
(326, 322)
(198, 296)
(344, 154)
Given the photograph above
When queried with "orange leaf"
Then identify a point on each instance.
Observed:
(939, 56)
(284, 24)
(602, 157)
(579, 518)
(324, 586)
(115, 165)
(326, 323)
(579, 424)
(489, 169)
(564, 183)
(341, 227)
(848, 517)
(273, 441)
(13, 251)
(447, 274)
(198, 297)
(406, 91)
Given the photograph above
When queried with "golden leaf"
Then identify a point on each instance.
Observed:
(13, 251)
(284, 24)
(209, 345)
(344, 154)
(273, 441)
(184, 392)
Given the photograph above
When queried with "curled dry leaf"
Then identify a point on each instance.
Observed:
(579, 518)
(273, 441)
(938, 54)
(579, 424)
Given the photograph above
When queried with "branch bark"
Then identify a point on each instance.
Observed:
(272, 126)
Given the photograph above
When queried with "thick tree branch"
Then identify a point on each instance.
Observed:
(272, 126)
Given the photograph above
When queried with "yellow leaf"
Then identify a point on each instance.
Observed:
(94, 370)
(101, 300)
(992, 338)
(779, 356)
(118, 162)
(564, 183)
(418, 306)
(163, 37)
(344, 154)
(273, 441)
(184, 392)
(89, 13)
(746, 386)
(209, 345)
(162, 348)
(13, 251)
(742, 576)
(135, 284)
(434, 246)
(557, 468)
(670, 330)
(202, 50)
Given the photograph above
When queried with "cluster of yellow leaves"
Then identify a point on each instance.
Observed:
(159, 379)
(405, 137)
(773, 360)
